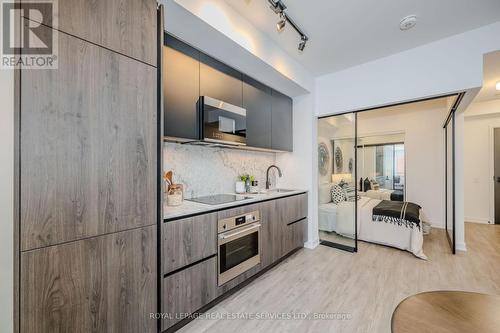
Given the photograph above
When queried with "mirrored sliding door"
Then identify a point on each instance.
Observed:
(337, 181)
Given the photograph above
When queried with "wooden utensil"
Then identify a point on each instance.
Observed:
(168, 177)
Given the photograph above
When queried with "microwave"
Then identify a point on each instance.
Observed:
(222, 122)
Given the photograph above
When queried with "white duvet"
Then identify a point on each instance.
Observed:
(409, 239)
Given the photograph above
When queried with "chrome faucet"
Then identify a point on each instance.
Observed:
(268, 182)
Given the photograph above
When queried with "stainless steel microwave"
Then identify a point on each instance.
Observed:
(222, 122)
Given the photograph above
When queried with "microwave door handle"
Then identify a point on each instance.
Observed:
(224, 236)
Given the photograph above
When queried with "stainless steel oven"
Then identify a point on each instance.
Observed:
(222, 122)
(239, 243)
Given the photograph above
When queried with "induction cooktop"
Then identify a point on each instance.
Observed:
(219, 199)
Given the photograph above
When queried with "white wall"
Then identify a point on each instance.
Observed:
(448, 65)
(7, 200)
(480, 119)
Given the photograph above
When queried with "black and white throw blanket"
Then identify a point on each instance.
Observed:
(396, 212)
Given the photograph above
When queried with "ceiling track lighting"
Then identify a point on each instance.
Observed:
(279, 8)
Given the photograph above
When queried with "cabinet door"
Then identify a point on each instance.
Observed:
(220, 81)
(188, 290)
(282, 122)
(124, 26)
(290, 210)
(181, 87)
(188, 240)
(257, 102)
(294, 235)
(88, 145)
(100, 284)
(272, 231)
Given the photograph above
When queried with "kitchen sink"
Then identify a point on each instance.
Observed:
(279, 190)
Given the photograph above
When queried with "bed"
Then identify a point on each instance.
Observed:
(383, 194)
(339, 218)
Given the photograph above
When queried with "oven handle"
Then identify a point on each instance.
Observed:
(225, 236)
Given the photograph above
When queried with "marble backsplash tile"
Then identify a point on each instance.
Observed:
(206, 170)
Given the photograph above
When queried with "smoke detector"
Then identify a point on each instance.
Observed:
(408, 22)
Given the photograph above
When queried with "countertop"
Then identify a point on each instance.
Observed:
(190, 207)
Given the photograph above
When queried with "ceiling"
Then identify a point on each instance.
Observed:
(347, 33)
(491, 75)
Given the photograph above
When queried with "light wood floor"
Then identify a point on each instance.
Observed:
(367, 285)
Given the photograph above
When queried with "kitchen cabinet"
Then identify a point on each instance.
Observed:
(181, 89)
(188, 240)
(220, 81)
(189, 74)
(126, 26)
(100, 284)
(282, 232)
(271, 233)
(189, 290)
(294, 235)
(88, 145)
(282, 122)
(257, 102)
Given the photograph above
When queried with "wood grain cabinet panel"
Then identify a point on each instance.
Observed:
(101, 284)
(124, 26)
(188, 290)
(271, 233)
(188, 240)
(88, 145)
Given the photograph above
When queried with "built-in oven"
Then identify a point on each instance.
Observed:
(239, 242)
(222, 122)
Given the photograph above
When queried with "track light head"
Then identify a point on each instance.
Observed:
(302, 44)
(281, 23)
(277, 6)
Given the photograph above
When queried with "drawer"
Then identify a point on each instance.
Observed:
(188, 290)
(293, 208)
(188, 240)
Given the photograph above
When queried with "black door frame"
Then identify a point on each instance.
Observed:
(450, 116)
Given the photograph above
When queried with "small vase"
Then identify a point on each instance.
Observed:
(240, 187)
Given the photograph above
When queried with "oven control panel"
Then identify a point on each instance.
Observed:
(239, 220)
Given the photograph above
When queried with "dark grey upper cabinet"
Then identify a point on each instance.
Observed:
(282, 122)
(220, 81)
(189, 74)
(257, 102)
(181, 85)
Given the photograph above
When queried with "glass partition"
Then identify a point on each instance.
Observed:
(337, 181)
(449, 130)
(381, 167)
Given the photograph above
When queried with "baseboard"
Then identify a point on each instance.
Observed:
(477, 220)
(311, 244)
(461, 247)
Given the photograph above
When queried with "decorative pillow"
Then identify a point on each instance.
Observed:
(325, 193)
(374, 185)
(338, 194)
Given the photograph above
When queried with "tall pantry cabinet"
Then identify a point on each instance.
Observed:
(87, 173)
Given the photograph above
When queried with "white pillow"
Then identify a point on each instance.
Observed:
(324, 193)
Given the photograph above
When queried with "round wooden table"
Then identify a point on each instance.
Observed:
(446, 312)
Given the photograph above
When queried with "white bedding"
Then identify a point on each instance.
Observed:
(381, 194)
(339, 218)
